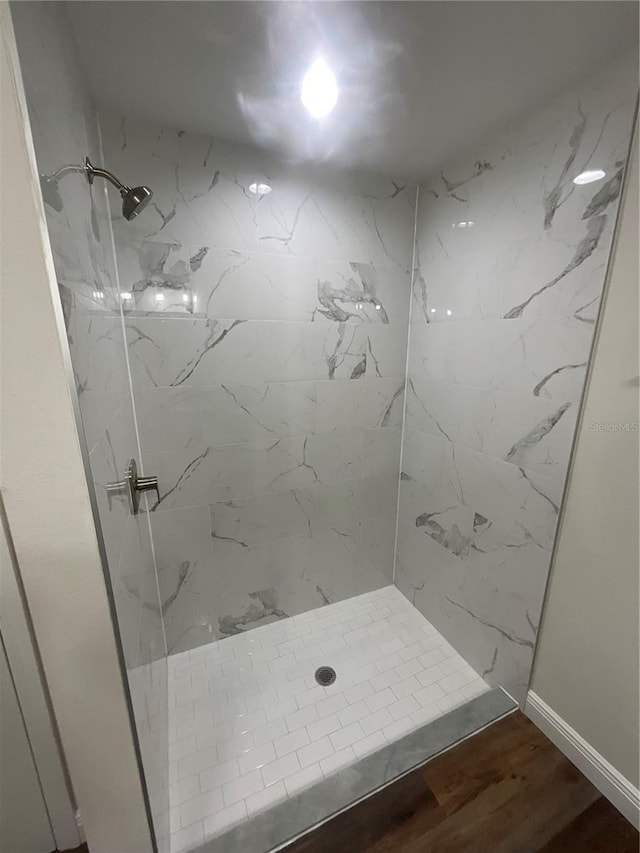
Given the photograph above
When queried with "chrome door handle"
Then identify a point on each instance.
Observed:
(132, 486)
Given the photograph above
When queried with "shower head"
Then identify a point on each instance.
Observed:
(134, 199)
(50, 192)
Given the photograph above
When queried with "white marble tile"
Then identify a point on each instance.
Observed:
(294, 351)
(233, 413)
(512, 356)
(517, 192)
(445, 409)
(157, 277)
(256, 520)
(224, 472)
(371, 403)
(186, 352)
(169, 418)
(98, 357)
(189, 352)
(262, 286)
(275, 555)
(531, 432)
(500, 491)
(201, 189)
(510, 263)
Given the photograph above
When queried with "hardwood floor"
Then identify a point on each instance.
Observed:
(506, 790)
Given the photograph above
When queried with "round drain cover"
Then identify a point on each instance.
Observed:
(325, 675)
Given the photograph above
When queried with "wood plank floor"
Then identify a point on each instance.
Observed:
(506, 790)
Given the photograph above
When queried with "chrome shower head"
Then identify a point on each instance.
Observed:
(50, 192)
(134, 199)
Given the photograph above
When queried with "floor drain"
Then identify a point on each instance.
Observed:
(325, 676)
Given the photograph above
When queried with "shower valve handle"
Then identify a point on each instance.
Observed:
(149, 484)
(132, 486)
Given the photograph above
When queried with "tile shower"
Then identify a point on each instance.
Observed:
(359, 396)
(267, 339)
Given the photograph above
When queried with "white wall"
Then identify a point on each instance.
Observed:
(587, 667)
(48, 506)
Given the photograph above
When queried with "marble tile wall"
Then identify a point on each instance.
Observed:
(511, 258)
(64, 127)
(267, 338)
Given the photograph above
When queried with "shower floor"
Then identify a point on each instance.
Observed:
(250, 726)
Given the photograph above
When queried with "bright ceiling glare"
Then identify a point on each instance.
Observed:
(319, 91)
(589, 176)
(259, 189)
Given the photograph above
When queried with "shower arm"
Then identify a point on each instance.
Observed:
(91, 172)
(96, 172)
(134, 199)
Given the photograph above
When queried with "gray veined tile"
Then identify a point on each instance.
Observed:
(335, 455)
(169, 418)
(157, 277)
(329, 505)
(381, 451)
(255, 286)
(337, 404)
(361, 293)
(386, 351)
(298, 351)
(275, 287)
(207, 474)
(482, 545)
(498, 490)
(182, 535)
(531, 432)
(340, 564)
(486, 598)
(505, 492)
(98, 358)
(298, 217)
(380, 403)
(233, 413)
(206, 196)
(369, 403)
(187, 352)
(255, 520)
(506, 355)
(424, 456)
(447, 410)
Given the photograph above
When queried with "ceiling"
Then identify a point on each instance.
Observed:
(419, 81)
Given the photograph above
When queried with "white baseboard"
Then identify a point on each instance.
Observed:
(611, 784)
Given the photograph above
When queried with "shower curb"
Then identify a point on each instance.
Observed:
(279, 825)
